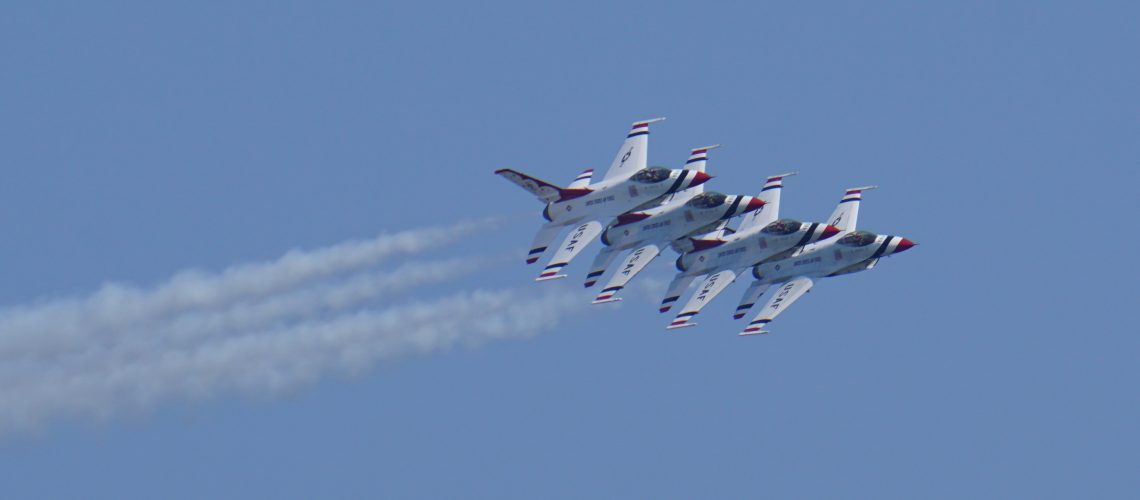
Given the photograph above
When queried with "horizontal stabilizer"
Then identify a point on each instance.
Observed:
(545, 191)
(541, 241)
(755, 290)
(676, 288)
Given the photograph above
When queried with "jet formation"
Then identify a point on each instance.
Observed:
(720, 238)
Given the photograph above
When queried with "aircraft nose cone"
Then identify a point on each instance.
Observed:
(829, 231)
(700, 178)
(754, 204)
(904, 245)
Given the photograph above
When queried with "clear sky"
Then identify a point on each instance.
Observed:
(998, 359)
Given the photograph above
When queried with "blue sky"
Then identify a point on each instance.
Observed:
(997, 359)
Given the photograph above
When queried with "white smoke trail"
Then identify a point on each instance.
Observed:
(257, 328)
(275, 359)
(61, 324)
(187, 328)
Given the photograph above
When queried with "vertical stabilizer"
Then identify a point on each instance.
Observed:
(846, 214)
(770, 195)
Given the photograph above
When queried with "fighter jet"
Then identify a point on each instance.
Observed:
(574, 243)
(650, 231)
(760, 237)
(627, 186)
(855, 251)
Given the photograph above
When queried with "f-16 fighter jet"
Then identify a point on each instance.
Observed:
(760, 237)
(650, 231)
(627, 186)
(698, 158)
(855, 251)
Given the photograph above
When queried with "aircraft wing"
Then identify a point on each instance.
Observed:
(579, 237)
(632, 265)
(781, 299)
(709, 289)
(634, 152)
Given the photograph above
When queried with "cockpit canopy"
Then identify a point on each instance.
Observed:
(858, 239)
(651, 175)
(707, 200)
(782, 227)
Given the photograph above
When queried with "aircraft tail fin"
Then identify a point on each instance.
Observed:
(699, 157)
(767, 214)
(846, 214)
(545, 191)
(698, 160)
(582, 180)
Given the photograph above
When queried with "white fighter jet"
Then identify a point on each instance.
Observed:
(855, 251)
(761, 236)
(627, 186)
(650, 231)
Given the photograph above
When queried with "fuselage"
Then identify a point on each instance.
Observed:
(854, 252)
(742, 250)
(610, 198)
(675, 221)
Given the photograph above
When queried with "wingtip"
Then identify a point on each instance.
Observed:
(749, 333)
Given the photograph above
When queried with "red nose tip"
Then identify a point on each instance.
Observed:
(904, 245)
(754, 204)
(829, 231)
(700, 178)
